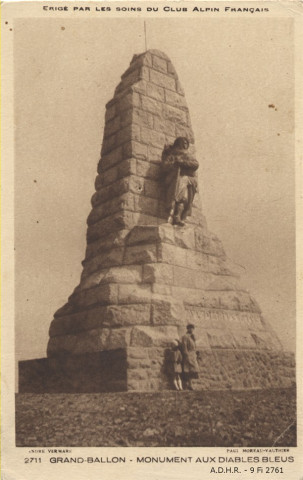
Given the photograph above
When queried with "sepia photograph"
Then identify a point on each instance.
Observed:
(154, 232)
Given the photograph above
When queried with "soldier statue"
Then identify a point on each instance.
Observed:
(179, 171)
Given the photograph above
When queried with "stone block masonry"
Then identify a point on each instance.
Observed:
(147, 368)
(144, 279)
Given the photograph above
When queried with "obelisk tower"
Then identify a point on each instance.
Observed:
(143, 278)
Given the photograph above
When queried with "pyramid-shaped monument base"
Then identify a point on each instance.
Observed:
(165, 281)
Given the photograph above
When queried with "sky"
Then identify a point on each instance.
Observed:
(233, 72)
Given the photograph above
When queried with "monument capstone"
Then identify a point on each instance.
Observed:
(151, 265)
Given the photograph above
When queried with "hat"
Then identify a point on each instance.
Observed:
(175, 343)
(190, 325)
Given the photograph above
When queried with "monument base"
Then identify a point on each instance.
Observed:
(149, 369)
(86, 373)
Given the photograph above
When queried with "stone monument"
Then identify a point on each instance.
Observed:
(151, 265)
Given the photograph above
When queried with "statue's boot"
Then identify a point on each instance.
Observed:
(177, 217)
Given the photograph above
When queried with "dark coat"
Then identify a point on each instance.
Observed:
(190, 364)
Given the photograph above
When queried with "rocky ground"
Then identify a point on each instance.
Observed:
(213, 418)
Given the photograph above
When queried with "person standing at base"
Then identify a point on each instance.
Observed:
(177, 365)
(190, 364)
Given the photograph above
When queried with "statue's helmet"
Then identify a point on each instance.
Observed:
(181, 143)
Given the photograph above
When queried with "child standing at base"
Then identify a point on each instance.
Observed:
(177, 365)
